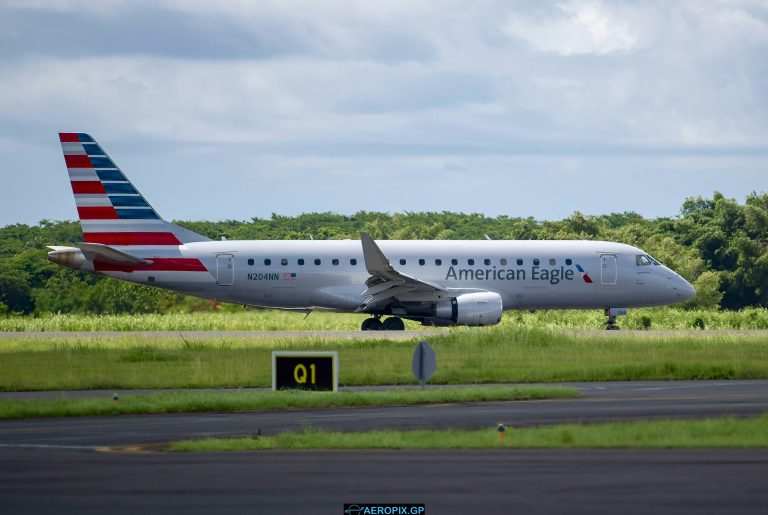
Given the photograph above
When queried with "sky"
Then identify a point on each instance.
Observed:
(239, 109)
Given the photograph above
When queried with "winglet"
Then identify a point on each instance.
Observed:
(376, 262)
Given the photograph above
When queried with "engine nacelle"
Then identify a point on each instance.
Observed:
(481, 308)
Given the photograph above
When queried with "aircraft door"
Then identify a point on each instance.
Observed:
(225, 269)
(608, 269)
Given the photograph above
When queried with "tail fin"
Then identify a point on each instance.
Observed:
(111, 210)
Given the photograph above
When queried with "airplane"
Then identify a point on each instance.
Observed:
(440, 283)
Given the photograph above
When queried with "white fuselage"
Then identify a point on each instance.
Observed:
(526, 274)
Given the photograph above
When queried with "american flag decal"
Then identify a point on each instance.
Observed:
(289, 276)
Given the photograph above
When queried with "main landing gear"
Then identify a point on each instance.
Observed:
(390, 324)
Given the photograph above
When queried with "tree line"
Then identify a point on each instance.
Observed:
(717, 243)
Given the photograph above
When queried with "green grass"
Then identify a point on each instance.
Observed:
(473, 355)
(181, 402)
(245, 320)
(714, 432)
(267, 320)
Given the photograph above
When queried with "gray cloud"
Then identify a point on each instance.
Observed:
(340, 97)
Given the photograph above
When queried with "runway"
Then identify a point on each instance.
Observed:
(600, 402)
(464, 482)
(61, 464)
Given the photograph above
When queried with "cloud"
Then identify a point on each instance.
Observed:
(582, 28)
(444, 91)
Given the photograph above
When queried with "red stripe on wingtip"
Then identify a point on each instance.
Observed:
(69, 137)
(158, 265)
(84, 187)
(587, 279)
(77, 161)
(97, 213)
(131, 238)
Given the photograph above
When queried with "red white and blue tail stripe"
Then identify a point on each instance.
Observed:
(111, 210)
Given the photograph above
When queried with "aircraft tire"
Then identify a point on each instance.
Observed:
(371, 324)
(394, 324)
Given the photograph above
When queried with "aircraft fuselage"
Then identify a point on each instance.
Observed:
(331, 274)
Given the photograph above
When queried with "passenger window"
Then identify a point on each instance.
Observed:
(552, 262)
(470, 262)
(519, 262)
(642, 260)
(422, 262)
(317, 262)
(301, 261)
(402, 261)
(353, 262)
(438, 262)
(250, 262)
(284, 262)
(334, 262)
(536, 262)
(487, 261)
(454, 261)
(503, 261)
(568, 262)
(267, 261)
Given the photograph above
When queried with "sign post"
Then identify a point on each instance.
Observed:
(317, 371)
(424, 363)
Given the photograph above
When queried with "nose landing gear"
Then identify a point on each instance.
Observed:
(612, 313)
(390, 324)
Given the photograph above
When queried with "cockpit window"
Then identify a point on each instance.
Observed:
(645, 260)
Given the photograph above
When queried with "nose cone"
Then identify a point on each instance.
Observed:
(683, 289)
(675, 289)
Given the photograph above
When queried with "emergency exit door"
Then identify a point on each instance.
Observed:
(608, 269)
(225, 269)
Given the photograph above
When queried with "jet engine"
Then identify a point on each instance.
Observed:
(481, 308)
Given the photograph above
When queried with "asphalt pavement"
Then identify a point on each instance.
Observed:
(91, 464)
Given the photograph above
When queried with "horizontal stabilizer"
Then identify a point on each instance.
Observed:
(98, 252)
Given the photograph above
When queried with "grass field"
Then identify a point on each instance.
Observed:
(182, 402)
(475, 355)
(267, 320)
(715, 432)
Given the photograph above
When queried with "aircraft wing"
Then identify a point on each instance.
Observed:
(386, 283)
